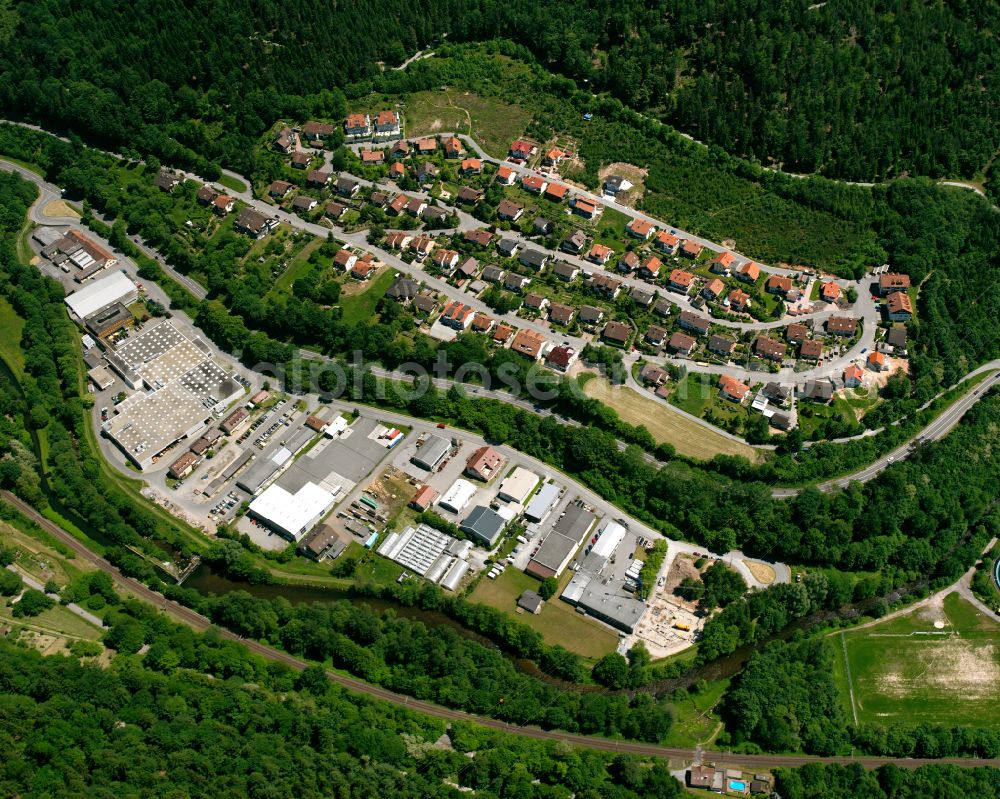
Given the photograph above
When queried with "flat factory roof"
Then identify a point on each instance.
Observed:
(114, 288)
(295, 513)
(518, 485)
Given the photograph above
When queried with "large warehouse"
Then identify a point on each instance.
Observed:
(557, 548)
(518, 485)
(292, 515)
(458, 496)
(101, 293)
(430, 453)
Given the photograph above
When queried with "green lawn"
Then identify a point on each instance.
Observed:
(232, 183)
(360, 307)
(296, 269)
(57, 620)
(696, 720)
(939, 665)
(558, 622)
(11, 326)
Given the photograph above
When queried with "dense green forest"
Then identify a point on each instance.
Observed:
(854, 88)
(887, 782)
(198, 716)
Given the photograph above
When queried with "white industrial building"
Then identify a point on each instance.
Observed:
(102, 293)
(543, 502)
(458, 496)
(292, 515)
(518, 485)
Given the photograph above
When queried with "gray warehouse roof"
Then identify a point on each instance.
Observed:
(575, 522)
(431, 452)
(485, 524)
(540, 504)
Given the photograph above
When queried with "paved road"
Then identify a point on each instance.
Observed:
(200, 623)
(72, 607)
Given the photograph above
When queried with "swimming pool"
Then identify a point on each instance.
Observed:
(736, 785)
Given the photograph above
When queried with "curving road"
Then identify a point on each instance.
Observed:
(199, 622)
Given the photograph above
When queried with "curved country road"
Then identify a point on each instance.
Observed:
(199, 622)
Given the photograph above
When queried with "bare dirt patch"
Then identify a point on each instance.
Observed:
(682, 567)
(964, 669)
(761, 572)
(58, 208)
(634, 174)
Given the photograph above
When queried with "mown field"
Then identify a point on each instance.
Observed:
(938, 664)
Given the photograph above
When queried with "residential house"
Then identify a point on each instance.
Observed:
(318, 178)
(561, 314)
(423, 245)
(738, 300)
(599, 253)
(427, 172)
(895, 337)
(606, 285)
(358, 126)
(816, 390)
(223, 204)
(640, 229)
(536, 259)
(521, 150)
(841, 326)
(285, 140)
(566, 272)
(614, 184)
(691, 321)
(484, 464)
(656, 335)
(416, 206)
(508, 248)
(628, 263)
(515, 282)
(586, 208)
(467, 267)
(721, 345)
(877, 361)
(829, 292)
(452, 147)
(479, 237)
(556, 192)
(898, 307)
(472, 166)
(396, 240)
(397, 170)
(403, 290)
(469, 195)
(891, 282)
(778, 284)
(575, 242)
(509, 211)
(534, 184)
(400, 149)
(364, 268)
(344, 259)
(347, 187)
(667, 242)
(502, 334)
(304, 204)
(387, 123)
(616, 332)
(301, 160)
(796, 333)
(481, 323)
(811, 349)
(166, 182)
(372, 156)
(379, 199)
(561, 358)
(853, 375)
(591, 315)
(722, 263)
(529, 343)
(506, 175)
(713, 289)
(777, 393)
(642, 297)
(254, 223)
(536, 302)
(457, 315)
(769, 348)
(280, 189)
(493, 274)
(650, 268)
(553, 157)
(316, 131)
(749, 272)
(426, 145)
(681, 281)
(732, 389)
(542, 225)
(207, 194)
(425, 497)
(398, 204)
(445, 259)
(424, 303)
(651, 374)
(681, 344)
(691, 249)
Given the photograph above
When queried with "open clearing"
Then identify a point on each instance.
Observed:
(938, 664)
(557, 622)
(358, 305)
(762, 573)
(491, 122)
(59, 208)
(667, 427)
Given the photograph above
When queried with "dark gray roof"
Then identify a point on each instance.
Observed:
(403, 289)
(484, 524)
(534, 258)
(530, 601)
(896, 337)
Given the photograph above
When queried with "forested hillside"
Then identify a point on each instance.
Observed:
(857, 89)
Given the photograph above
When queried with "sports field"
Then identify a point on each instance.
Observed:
(939, 663)
(667, 427)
